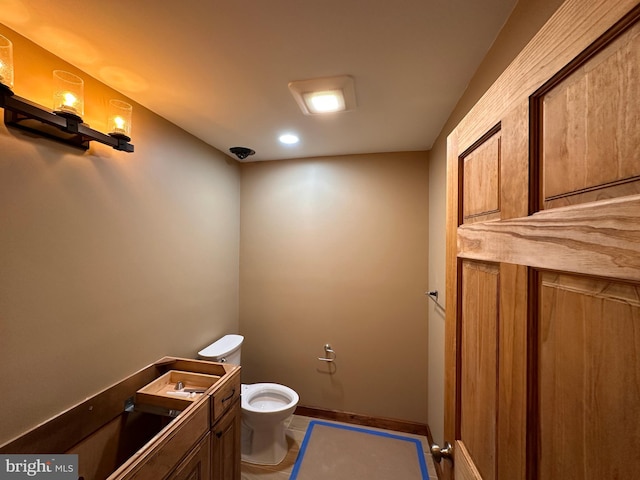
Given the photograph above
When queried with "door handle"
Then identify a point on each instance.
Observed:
(438, 452)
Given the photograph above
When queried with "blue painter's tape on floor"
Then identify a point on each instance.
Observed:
(305, 444)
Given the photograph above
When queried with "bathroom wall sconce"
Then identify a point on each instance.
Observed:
(68, 94)
(119, 122)
(6, 63)
(63, 124)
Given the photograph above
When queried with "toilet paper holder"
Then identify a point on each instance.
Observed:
(329, 356)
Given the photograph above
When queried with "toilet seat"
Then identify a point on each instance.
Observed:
(268, 398)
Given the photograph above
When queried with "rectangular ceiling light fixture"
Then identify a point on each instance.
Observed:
(324, 95)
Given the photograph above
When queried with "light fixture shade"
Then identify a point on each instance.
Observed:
(119, 121)
(6, 62)
(324, 95)
(68, 94)
(325, 101)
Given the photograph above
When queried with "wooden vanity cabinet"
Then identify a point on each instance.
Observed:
(127, 433)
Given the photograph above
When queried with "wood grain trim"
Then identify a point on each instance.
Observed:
(514, 171)
(582, 191)
(196, 366)
(533, 433)
(593, 49)
(488, 214)
(487, 135)
(453, 220)
(557, 43)
(612, 291)
(512, 372)
(569, 242)
(405, 426)
(465, 468)
(536, 193)
(452, 331)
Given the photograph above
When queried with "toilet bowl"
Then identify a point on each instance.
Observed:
(266, 408)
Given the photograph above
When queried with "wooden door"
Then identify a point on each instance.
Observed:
(543, 259)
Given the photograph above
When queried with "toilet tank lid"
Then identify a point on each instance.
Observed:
(223, 346)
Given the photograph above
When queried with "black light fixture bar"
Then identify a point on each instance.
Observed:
(31, 117)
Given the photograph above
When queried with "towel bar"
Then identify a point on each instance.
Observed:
(433, 295)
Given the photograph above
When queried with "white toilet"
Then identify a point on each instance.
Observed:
(266, 408)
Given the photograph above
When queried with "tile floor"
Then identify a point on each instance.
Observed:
(295, 436)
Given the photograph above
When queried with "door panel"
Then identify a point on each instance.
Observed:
(481, 180)
(589, 125)
(589, 378)
(478, 376)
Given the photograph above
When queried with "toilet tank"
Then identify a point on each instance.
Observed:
(226, 349)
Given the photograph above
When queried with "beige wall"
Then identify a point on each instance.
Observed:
(108, 260)
(334, 250)
(526, 19)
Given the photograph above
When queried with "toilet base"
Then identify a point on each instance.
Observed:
(264, 446)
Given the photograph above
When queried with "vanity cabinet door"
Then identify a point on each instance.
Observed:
(226, 445)
(197, 465)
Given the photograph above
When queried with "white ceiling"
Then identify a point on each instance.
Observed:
(220, 68)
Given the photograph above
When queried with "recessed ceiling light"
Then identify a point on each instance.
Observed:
(324, 102)
(324, 95)
(289, 139)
